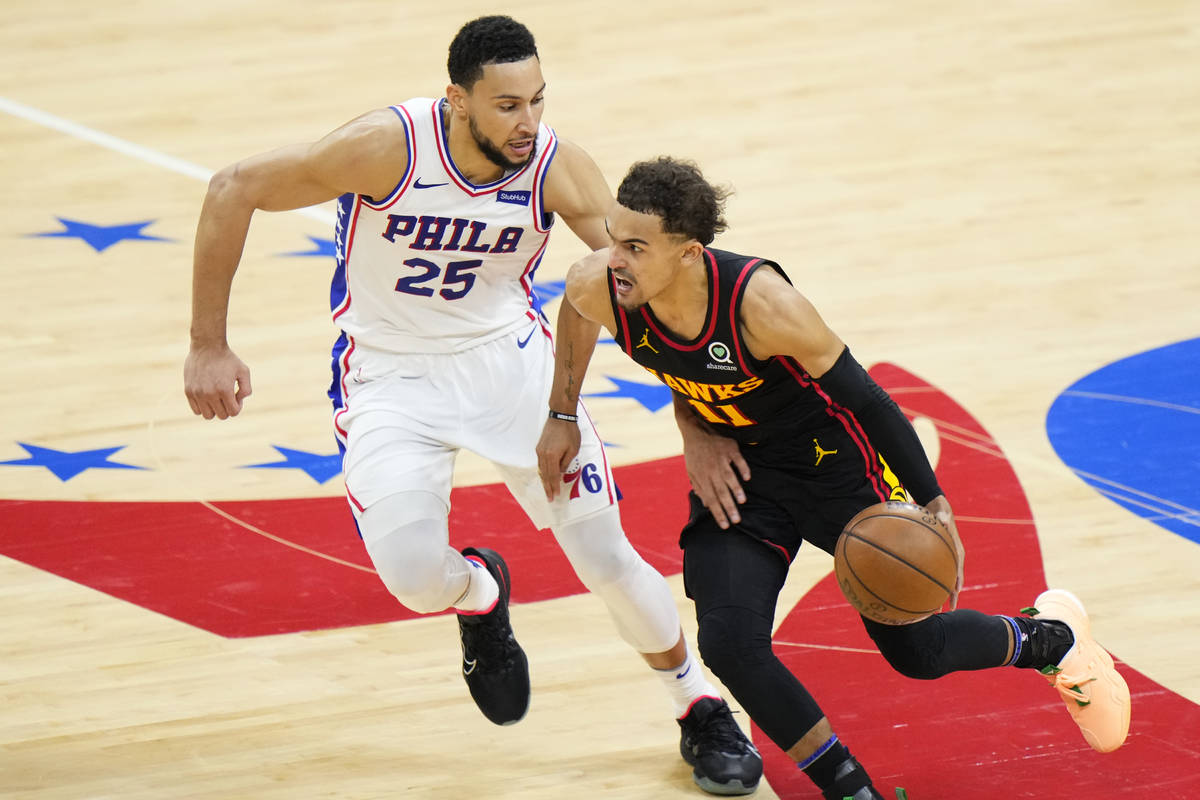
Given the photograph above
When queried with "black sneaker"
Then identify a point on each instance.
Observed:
(494, 665)
(723, 760)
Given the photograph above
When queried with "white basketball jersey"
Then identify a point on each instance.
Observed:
(440, 264)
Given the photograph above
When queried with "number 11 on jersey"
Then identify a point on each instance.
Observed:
(725, 414)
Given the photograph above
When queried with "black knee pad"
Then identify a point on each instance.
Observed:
(731, 639)
(913, 650)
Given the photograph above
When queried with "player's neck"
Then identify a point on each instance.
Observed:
(466, 155)
(683, 305)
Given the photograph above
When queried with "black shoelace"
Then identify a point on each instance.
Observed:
(491, 642)
(720, 732)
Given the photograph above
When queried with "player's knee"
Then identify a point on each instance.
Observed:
(915, 650)
(731, 639)
(410, 551)
(599, 553)
(605, 569)
(414, 573)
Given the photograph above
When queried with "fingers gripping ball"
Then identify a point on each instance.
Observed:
(896, 563)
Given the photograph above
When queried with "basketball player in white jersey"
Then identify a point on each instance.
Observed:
(444, 209)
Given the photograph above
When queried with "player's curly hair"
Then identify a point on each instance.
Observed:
(677, 192)
(494, 39)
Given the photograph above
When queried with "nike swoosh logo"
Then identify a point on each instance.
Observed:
(685, 672)
(522, 342)
(469, 666)
(418, 185)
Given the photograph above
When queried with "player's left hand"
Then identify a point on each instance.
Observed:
(711, 460)
(556, 449)
(940, 507)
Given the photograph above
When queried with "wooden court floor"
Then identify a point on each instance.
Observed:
(999, 198)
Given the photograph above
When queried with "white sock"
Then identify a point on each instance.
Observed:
(686, 684)
(482, 590)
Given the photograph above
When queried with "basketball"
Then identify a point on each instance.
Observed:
(896, 562)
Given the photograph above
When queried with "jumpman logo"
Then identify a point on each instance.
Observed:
(645, 342)
(822, 453)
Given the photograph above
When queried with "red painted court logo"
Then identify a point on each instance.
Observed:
(1000, 735)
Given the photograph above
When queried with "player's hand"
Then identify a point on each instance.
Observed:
(940, 507)
(555, 451)
(714, 464)
(215, 381)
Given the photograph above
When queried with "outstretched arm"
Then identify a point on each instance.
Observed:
(361, 156)
(583, 311)
(778, 320)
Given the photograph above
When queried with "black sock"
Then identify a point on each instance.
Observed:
(835, 772)
(1040, 643)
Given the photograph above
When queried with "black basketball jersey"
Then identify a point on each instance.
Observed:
(748, 399)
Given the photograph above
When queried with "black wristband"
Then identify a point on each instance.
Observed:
(564, 417)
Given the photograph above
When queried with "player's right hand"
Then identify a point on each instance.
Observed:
(215, 381)
(940, 507)
(555, 451)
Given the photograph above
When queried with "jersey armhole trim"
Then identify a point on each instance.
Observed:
(542, 221)
(735, 308)
(411, 143)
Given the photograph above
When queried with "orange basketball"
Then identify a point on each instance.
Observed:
(896, 562)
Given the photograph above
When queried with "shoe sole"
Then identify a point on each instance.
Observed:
(1059, 604)
(726, 789)
(729, 788)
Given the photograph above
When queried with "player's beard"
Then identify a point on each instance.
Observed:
(626, 305)
(493, 153)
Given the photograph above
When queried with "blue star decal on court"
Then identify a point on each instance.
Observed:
(318, 467)
(101, 237)
(544, 293)
(651, 395)
(66, 464)
(321, 247)
(548, 291)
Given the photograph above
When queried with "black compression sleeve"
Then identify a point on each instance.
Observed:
(849, 385)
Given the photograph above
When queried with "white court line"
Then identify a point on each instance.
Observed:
(838, 648)
(129, 148)
(1133, 401)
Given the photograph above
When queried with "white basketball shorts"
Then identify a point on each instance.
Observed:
(406, 416)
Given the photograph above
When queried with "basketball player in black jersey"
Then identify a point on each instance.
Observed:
(762, 384)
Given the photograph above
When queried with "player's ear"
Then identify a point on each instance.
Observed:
(457, 96)
(692, 251)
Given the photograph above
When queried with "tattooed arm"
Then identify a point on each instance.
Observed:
(584, 309)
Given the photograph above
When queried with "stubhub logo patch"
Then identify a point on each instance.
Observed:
(517, 198)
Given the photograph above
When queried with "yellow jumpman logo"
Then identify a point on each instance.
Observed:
(645, 342)
(822, 453)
